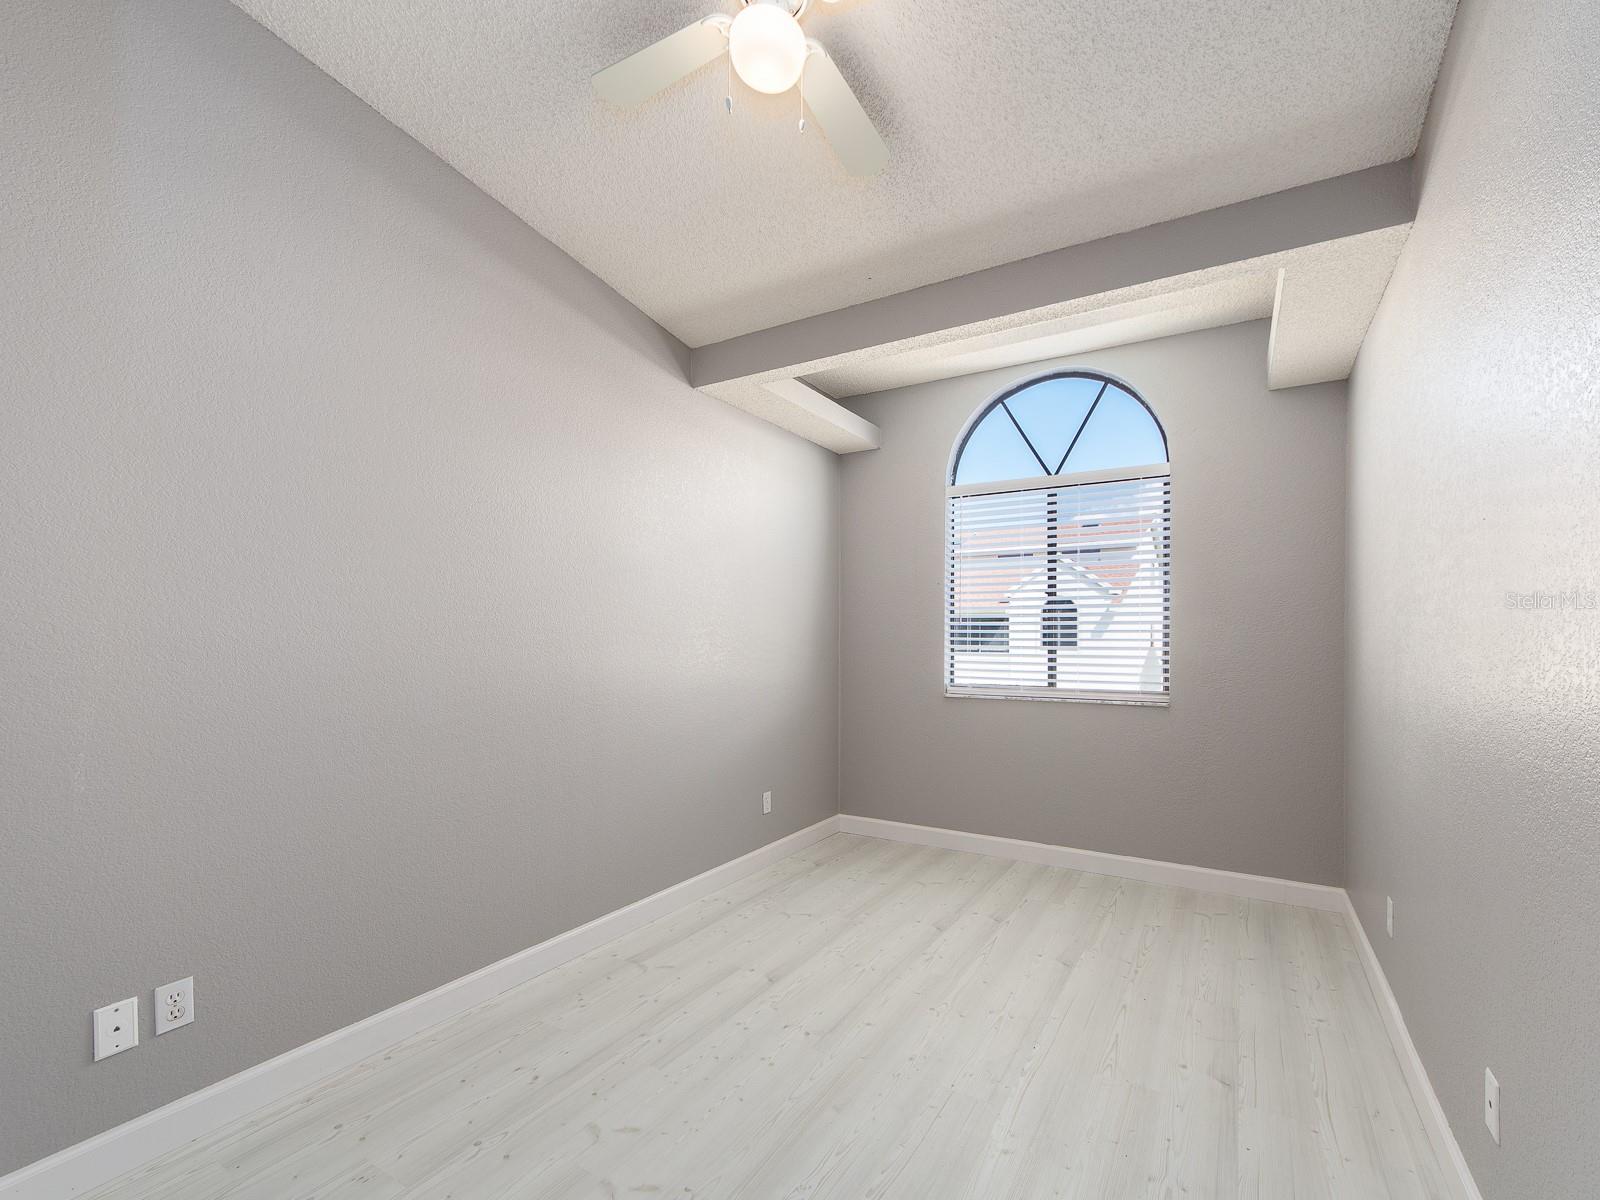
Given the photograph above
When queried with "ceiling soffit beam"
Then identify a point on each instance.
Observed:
(1190, 303)
(1346, 205)
(795, 405)
(848, 431)
(1323, 305)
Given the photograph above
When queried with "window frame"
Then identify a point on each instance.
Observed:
(1044, 483)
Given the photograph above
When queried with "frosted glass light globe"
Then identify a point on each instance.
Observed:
(767, 47)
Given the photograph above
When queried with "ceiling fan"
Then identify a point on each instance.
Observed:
(767, 48)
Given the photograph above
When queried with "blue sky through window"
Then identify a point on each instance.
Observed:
(995, 451)
(1120, 432)
(1051, 411)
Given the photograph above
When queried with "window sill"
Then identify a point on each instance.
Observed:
(1134, 699)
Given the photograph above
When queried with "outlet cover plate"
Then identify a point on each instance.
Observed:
(116, 1028)
(174, 1005)
(1491, 1104)
(766, 802)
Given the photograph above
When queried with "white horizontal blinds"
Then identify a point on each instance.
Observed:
(1061, 590)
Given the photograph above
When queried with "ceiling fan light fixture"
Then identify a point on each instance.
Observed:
(767, 47)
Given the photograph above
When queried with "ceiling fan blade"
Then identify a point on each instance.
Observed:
(848, 128)
(640, 76)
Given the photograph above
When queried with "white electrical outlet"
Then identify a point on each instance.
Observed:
(1491, 1104)
(766, 802)
(174, 1005)
(116, 1028)
(1390, 919)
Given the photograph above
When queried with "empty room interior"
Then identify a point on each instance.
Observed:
(800, 600)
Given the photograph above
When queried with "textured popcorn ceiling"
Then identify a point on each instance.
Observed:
(1014, 127)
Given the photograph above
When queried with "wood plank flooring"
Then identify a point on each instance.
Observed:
(873, 1019)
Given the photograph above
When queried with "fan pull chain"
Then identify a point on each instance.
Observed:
(728, 99)
(803, 97)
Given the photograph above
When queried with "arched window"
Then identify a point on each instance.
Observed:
(1060, 546)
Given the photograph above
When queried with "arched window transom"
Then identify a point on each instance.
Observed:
(1060, 541)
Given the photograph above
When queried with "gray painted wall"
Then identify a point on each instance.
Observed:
(378, 600)
(1243, 770)
(1474, 727)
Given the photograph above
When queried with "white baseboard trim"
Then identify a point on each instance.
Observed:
(1096, 862)
(100, 1159)
(1451, 1161)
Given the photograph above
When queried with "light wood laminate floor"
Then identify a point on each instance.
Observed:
(871, 1019)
